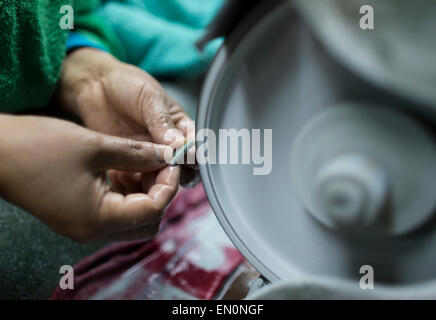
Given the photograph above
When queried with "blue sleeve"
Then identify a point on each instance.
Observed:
(76, 40)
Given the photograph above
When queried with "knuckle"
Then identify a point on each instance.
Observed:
(133, 145)
(162, 120)
(94, 141)
(149, 94)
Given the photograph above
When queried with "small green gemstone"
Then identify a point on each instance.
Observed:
(182, 152)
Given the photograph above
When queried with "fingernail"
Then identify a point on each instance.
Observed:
(164, 153)
(174, 138)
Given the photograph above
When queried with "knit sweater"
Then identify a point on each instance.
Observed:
(33, 46)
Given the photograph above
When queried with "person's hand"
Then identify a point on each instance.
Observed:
(122, 100)
(56, 170)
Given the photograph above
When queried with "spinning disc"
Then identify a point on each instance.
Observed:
(273, 74)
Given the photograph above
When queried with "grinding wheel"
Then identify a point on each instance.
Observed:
(353, 180)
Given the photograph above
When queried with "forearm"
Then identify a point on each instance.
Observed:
(8, 136)
(10, 145)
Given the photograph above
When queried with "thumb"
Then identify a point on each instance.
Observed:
(130, 155)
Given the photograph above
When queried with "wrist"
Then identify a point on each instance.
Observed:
(81, 68)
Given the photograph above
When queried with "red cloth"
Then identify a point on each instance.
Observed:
(189, 259)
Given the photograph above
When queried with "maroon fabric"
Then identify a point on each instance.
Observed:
(183, 261)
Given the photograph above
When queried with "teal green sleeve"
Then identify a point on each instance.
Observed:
(32, 47)
(31, 51)
(91, 25)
